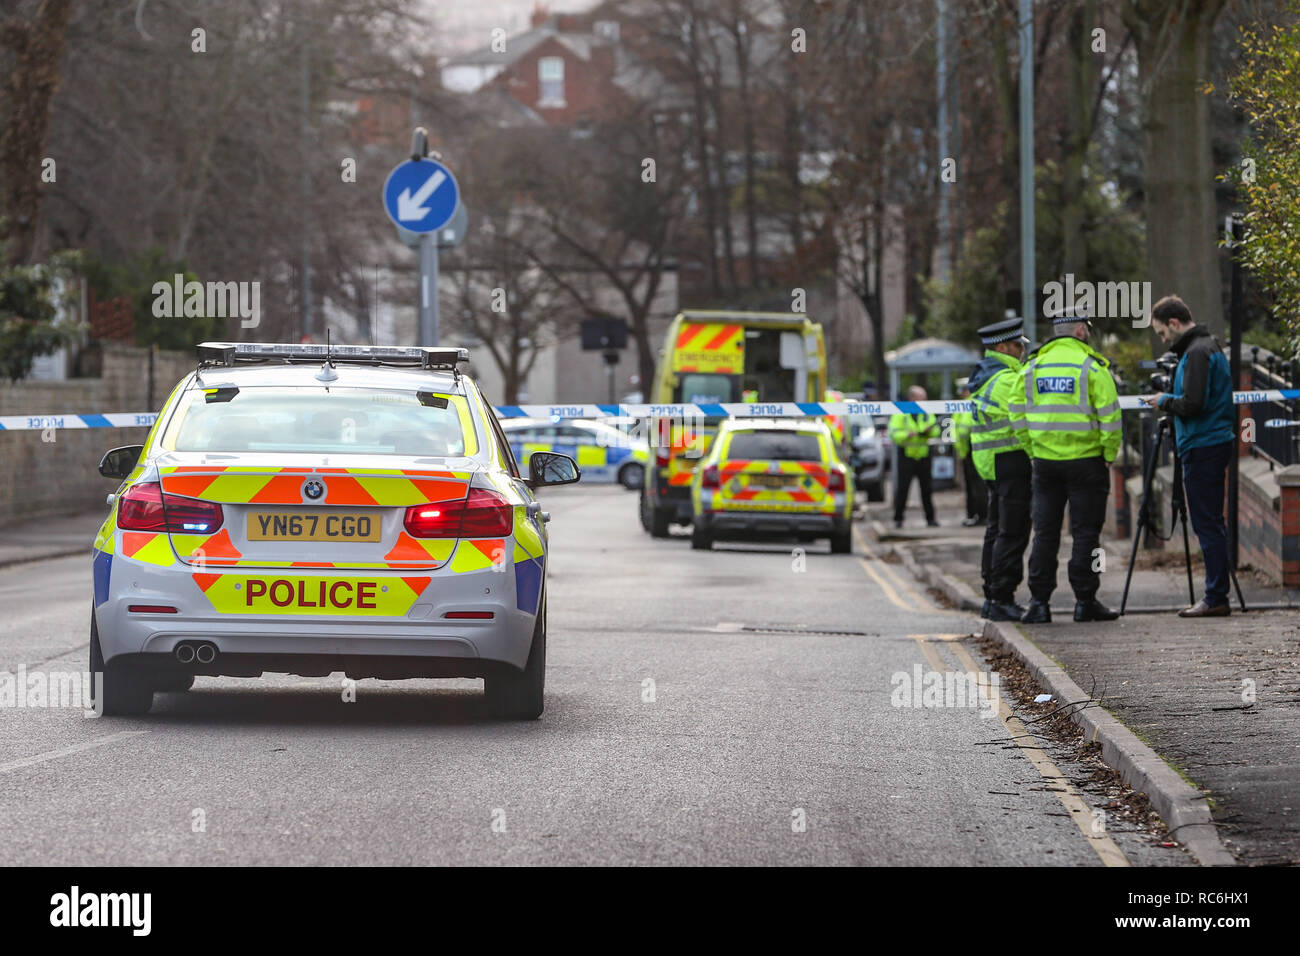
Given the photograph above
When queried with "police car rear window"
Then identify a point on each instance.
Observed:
(775, 446)
(341, 420)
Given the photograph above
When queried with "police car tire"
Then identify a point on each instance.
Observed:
(842, 542)
(515, 695)
(632, 476)
(701, 540)
(120, 690)
(659, 520)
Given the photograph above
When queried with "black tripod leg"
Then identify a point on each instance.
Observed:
(1236, 584)
(1148, 473)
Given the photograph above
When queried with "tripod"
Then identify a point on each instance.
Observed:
(1178, 514)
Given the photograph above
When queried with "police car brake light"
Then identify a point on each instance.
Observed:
(836, 482)
(483, 514)
(709, 477)
(144, 507)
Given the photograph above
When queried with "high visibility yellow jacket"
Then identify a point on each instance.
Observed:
(961, 426)
(1065, 405)
(995, 381)
(912, 433)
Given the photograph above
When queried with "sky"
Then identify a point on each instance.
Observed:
(466, 25)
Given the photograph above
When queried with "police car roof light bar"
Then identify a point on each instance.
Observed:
(229, 353)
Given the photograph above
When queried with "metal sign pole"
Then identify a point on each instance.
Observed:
(433, 286)
(428, 332)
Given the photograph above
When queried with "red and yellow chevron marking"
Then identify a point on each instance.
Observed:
(473, 554)
(748, 485)
(149, 547)
(681, 466)
(284, 594)
(710, 347)
(412, 552)
(391, 488)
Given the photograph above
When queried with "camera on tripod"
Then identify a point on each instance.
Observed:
(1162, 380)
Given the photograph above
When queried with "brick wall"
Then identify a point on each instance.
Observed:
(39, 477)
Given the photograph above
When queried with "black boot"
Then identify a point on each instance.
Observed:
(1093, 610)
(984, 612)
(1038, 612)
(1005, 612)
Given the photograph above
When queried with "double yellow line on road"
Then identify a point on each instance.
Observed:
(1058, 783)
(903, 595)
(895, 587)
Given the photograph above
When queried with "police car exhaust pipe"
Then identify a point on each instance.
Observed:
(205, 653)
(185, 653)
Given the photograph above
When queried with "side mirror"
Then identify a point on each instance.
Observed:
(120, 462)
(548, 468)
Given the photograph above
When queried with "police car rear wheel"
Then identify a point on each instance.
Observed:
(516, 695)
(842, 542)
(632, 476)
(701, 540)
(118, 690)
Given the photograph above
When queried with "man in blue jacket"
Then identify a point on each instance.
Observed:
(1205, 425)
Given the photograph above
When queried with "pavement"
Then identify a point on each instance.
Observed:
(1218, 699)
(49, 537)
(745, 705)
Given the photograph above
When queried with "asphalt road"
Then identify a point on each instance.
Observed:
(728, 707)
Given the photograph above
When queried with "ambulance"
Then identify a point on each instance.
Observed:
(713, 358)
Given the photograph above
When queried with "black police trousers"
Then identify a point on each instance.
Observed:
(1084, 484)
(977, 493)
(909, 468)
(1002, 565)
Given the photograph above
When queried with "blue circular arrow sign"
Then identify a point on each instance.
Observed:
(421, 195)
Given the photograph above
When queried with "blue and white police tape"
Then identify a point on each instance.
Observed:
(674, 410)
(61, 420)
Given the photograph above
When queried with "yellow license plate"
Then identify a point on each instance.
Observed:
(313, 526)
(770, 481)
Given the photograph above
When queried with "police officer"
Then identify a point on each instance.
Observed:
(1066, 409)
(1002, 460)
(912, 434)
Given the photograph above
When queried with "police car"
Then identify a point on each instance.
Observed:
(772, 477)
(603, 452)
(309, 509)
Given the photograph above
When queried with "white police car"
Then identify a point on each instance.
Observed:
(603, 452)
(303, 511)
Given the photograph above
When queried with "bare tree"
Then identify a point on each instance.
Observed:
(33, 43)
(1174, 43)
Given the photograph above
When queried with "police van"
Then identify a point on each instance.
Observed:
(712, 358)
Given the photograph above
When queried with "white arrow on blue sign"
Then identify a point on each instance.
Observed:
(421, 195)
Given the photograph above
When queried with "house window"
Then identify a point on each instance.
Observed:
(550, 76)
